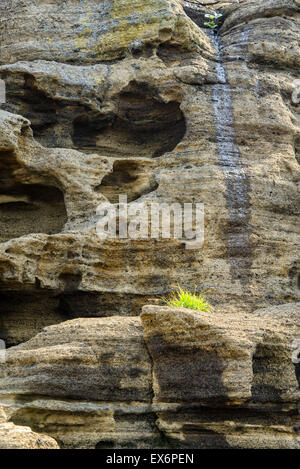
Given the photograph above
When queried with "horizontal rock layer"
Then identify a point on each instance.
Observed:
(20, 437)
(177, 378)
(108, 98)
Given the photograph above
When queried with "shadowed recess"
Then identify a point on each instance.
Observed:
(47, 116)
(297, 149)
(32, 208)
(23, 314)
(27, 208)
(144, 126)
(130, 177)
(294, 275)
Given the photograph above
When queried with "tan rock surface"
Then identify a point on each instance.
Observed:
(234, 372)
(102, 111)
(87, 383)
(20, 437)
(231, 355)
(16, 437)
(93, 31)
(83, 358)
(221, 379)
(106, 98)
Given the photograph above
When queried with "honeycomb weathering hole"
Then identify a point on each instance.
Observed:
(24, 312)
(144, 127)
(130, 177)
(34, 208)
(27, 208)
(141, 125)
(46, 115)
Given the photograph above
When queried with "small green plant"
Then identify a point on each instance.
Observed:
(213, 20)
(185, 299)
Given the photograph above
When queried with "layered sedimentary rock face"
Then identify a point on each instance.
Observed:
(172, 378)
(138, 98)
(20, 437)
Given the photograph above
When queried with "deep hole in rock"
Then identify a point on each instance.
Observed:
(27, 208)
(144, 126)
(39, 109)
(25, 314)
(25, 99)
(129, 177)
(51, 119)
(97, 304)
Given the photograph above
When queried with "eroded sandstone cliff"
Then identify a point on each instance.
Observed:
(138, 98)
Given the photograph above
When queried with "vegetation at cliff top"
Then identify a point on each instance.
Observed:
(185, 299)
(213, 17)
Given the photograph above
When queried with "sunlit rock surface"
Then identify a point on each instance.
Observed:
(138, 98)
(175, 378)
(20, 437)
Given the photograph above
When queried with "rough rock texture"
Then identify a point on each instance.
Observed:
(86, 382)
(223, 345)
(234, 371)
(138, 98)
(20, 437)
(149, 126)
(180, 378)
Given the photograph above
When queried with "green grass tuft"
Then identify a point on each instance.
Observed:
(185, 299)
